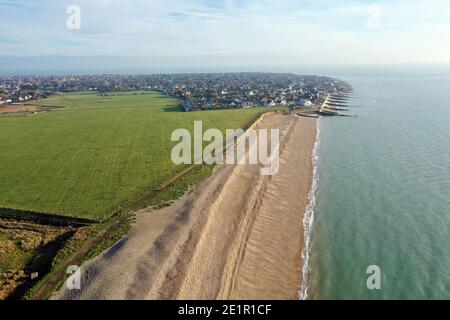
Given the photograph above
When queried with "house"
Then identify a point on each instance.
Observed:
(187, 106)
(305, 103)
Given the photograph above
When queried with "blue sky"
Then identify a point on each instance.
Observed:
(232, 32)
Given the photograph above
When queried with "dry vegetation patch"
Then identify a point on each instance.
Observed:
(17, 108)
(26, 249)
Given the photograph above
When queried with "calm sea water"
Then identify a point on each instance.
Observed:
(384, 192)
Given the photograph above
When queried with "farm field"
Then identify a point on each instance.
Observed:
(98, 152)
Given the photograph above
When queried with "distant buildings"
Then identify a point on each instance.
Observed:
(197, 91)
(3, 98)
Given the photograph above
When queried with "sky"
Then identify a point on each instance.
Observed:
(223, 33)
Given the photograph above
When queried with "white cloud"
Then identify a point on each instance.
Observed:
(239, 31)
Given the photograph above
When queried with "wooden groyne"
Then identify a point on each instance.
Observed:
(308, 115)
(337, 109)
(332, 106)
(324, 113)
(327, 113)
(339, 99)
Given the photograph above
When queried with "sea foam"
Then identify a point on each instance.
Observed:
(309, 217)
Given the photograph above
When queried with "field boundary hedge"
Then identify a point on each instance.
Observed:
(44, 218)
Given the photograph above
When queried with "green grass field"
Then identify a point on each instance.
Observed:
(98, 152)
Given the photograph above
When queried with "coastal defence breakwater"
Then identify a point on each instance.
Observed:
(333, 105)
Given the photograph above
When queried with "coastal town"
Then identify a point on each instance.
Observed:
(196, 91)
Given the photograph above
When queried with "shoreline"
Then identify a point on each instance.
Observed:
(237, 235)
(308, 219)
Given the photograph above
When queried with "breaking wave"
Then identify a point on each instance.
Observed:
(309, 218)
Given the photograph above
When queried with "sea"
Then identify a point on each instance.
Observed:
(379, 221)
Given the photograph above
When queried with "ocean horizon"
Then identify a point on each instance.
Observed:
(95, 65)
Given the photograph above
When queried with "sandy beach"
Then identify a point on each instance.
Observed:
(237, 235)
